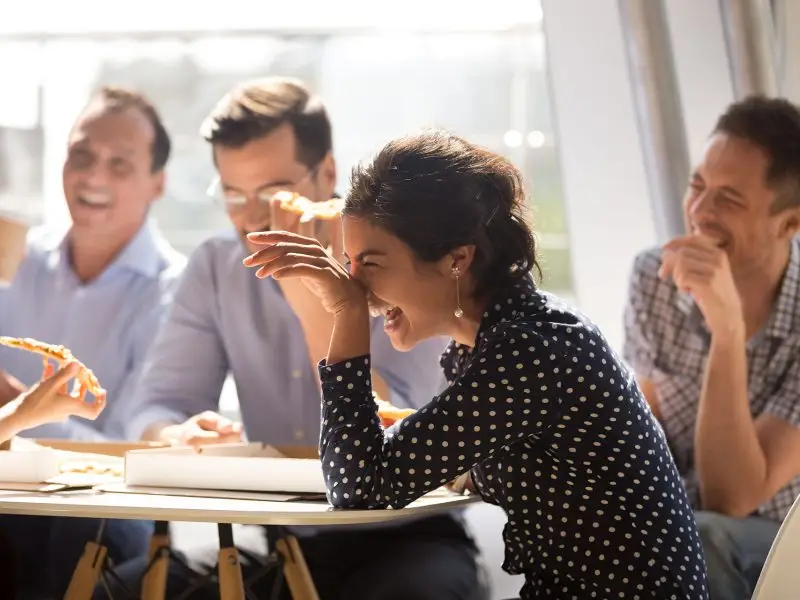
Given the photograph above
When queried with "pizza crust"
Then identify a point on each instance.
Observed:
(61, 355)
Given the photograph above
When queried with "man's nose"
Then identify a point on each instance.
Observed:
(255, 212)
(702, 206)
(96, 175)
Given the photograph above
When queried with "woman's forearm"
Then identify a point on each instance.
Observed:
(351, 333)
(10, 422)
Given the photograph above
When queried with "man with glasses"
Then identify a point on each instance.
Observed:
(101, 289)
(267, 136)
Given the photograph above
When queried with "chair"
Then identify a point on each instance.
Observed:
(780, 577)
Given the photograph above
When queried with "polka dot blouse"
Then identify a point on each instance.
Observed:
(554, 431)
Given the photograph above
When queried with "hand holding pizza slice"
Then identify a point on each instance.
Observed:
(61, 356)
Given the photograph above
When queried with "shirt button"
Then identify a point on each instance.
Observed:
(299, 434)
(297, 373)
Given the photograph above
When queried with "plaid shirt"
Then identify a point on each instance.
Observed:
(666, 341)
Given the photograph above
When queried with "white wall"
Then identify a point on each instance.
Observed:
(791, 77)
(605, 181)
(701, 65)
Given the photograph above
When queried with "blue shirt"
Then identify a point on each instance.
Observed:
(108, 323)
(223, 319)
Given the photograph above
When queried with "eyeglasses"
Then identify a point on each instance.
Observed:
(234, 201)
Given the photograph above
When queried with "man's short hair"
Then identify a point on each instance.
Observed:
(773, 124)
(119, 99)
(258, 107)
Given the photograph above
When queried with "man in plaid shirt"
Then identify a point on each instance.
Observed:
(713, 335)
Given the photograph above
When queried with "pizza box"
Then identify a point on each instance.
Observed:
(26, 462)
(246, 467)
(109, 448)
(56, 465)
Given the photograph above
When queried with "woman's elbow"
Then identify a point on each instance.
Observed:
(359, 499)
(340, 498)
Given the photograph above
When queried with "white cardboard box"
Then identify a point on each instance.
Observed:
(240, 467)
(28, 463)
(40, 461)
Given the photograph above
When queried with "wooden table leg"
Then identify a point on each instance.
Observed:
(154, 585)
(231, 586)
(87, 573)
(296, 570)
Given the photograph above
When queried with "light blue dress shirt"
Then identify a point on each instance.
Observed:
(225, 320)
(109, 323)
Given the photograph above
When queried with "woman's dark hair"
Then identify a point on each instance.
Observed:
(436, 192)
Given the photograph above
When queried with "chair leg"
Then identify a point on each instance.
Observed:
(154, 585)
(231, 586)
(296, 570)
(87, 573)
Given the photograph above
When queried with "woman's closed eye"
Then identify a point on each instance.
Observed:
(348, 264)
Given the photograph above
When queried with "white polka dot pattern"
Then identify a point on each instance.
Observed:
(554, 431)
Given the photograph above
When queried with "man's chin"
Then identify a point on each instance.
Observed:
(251, 247)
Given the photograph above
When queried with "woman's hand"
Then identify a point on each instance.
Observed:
(49, 401)
(287, 254)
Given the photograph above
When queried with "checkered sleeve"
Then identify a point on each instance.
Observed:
(785, 402)
(639, 349)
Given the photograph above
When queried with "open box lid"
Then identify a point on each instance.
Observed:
(108, 448)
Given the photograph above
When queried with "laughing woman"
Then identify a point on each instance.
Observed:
(539, 409)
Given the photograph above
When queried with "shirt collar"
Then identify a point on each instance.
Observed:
(143, 254)
(511, 303)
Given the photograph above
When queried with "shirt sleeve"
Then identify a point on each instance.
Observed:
(414, 377)
(785, 402)
(5, 290)
(639, 349)
(186, 367)
(488, 407)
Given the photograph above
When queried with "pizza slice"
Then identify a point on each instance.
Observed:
(93, 467)
(308, 209)
(390, 414)
(61, 355)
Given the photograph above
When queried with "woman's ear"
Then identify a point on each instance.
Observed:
(459, 258)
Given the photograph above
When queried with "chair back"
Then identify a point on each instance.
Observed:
(780, 577)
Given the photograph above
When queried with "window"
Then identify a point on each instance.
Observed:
(487, 83)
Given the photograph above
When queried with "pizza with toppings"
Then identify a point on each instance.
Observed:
(60, 355)
(390, 414)
(308, 209)
(93, 466)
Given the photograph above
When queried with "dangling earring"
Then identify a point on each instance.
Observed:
(458, 312)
